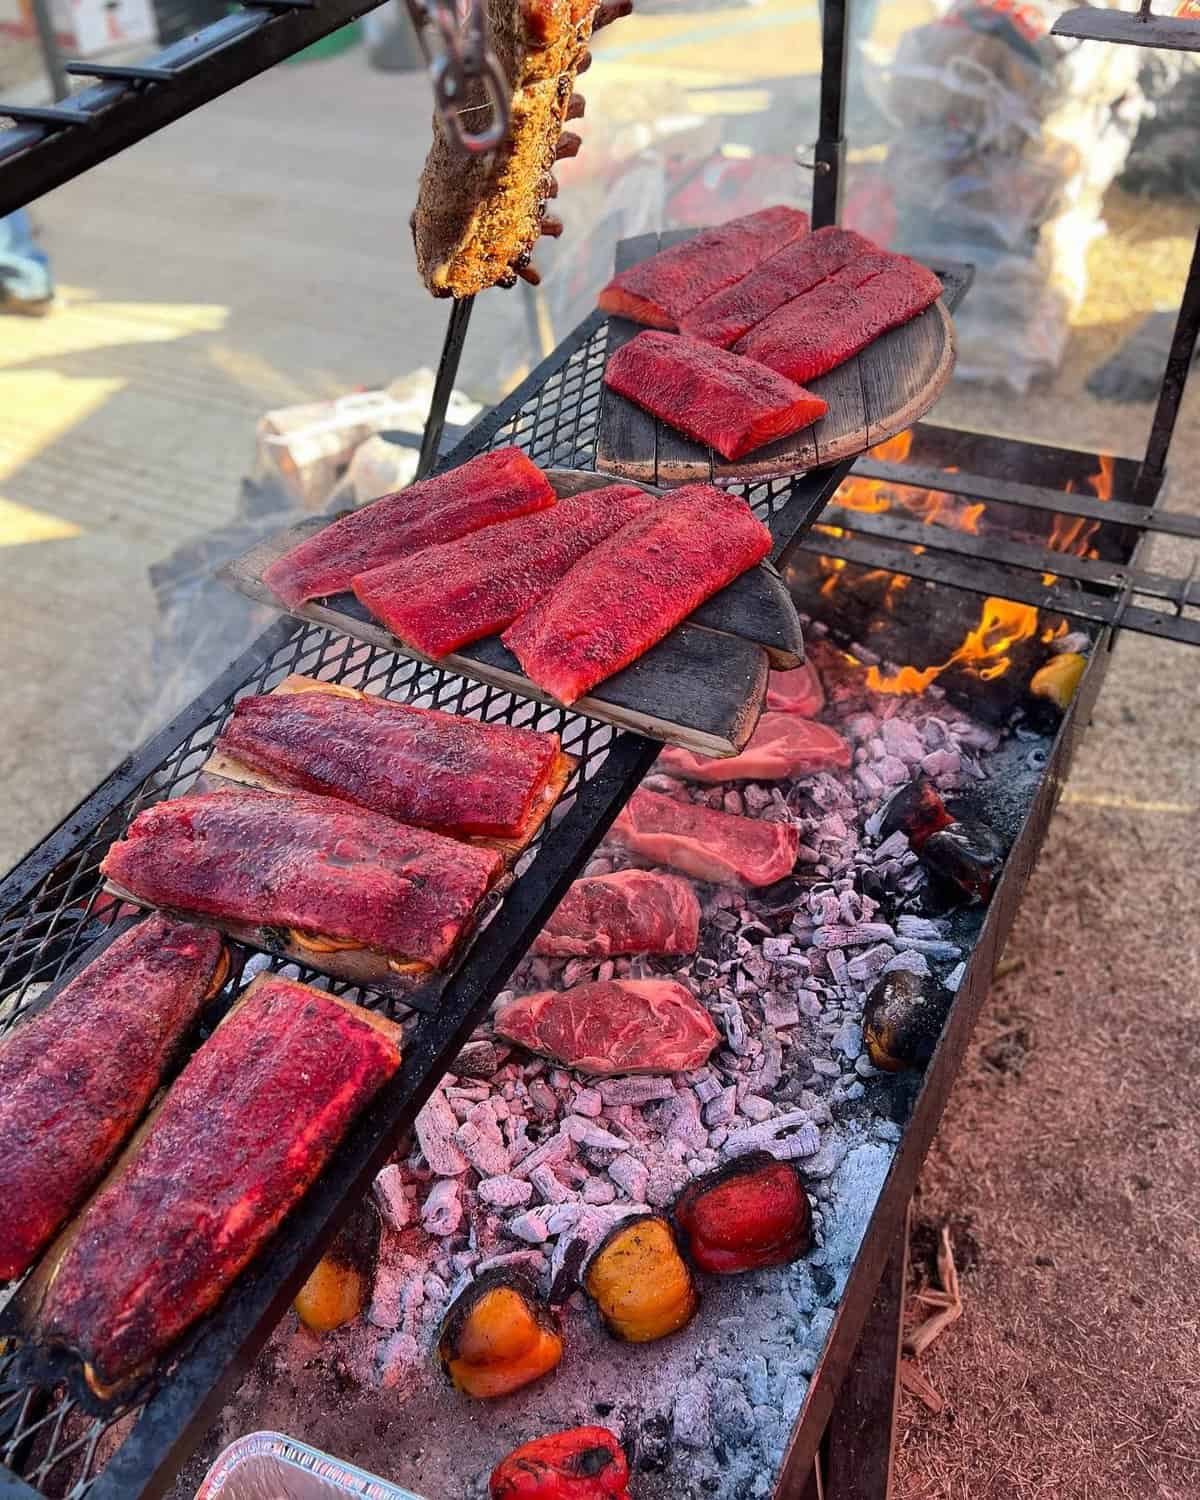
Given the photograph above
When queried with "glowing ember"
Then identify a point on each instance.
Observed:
(1002, 625)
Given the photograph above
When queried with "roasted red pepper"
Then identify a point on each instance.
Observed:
(585, 1463)
(753, 1212)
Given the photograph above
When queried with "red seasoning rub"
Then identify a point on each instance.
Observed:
(813, 334)
(723, 318)
(448, 596)
(630, 591)
(242, 1134)
(782, 745)
(662, 290)
(435, 770)
(614, 1026)
(732, 404)
(76, 1078)
(494, 487)
(308, 863)
(631, 911)
(716, 846)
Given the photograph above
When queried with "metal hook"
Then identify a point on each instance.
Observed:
(461, 58)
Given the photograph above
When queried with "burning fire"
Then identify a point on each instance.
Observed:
(985, 651)
(934, 507)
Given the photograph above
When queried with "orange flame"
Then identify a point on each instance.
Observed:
(985, 651)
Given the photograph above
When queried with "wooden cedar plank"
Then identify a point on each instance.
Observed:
(842, 431)
(625, 433)
(758, 607)
(680, 460)
(905, 372)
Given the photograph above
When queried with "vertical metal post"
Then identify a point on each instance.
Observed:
(447, 373)
(49, 46)
(1179, 362)
(830, 154)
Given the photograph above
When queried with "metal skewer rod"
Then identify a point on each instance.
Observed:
(447, 373)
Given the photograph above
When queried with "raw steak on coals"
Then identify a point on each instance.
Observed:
(723, 318)
(435, 770)
(716, 846)
(75, 1078)
(633, 589)
(631, 911)
(781, 745)
(307, 862)
(493, 487)
(447, 596)
(614, 1026)
(729, 403)
(659, 291)
(797, 691)
(239, 1138)
(813, 334)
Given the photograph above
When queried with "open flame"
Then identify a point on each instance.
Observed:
(934, 507)
(1002, 625)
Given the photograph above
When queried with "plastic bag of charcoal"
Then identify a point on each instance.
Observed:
(1007, 140)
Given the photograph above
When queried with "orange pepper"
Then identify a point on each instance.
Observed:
(497, 1337)
(639, 1281)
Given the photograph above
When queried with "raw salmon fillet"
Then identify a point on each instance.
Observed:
(435, 770)
(797, 691)
(76, 1078)
(630, 591)
(448, 596)
(614, 1026)
(661, 290)
(716, 846)
(494, 487)
(307, 862)
(723, 318)
(718, 398)
(239, 1139)
(782, 745)
(630, 911)
(817, 332)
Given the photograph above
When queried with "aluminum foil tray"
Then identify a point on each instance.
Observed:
(270, 1466)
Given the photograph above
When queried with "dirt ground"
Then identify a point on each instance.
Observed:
(1067, 1164)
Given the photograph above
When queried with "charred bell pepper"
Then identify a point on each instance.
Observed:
(1058, 679)
(498, 1336)
(585, 1463)
(640, 1282)
(968, 853)
(337, 1289)
(915, 810)
(752, 1213)
(903, 1019)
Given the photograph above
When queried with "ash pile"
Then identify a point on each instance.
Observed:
(522, 1166)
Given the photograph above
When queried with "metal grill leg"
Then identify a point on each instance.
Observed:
(447, 374)
(830, 153)
(1179, 362)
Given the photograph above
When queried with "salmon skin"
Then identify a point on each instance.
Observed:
(238, 1140)
(629, 911)
(716, 846)
(448, 596)
(783, 744)
(723, 318)
(493, 487)
(434, 770)
(76, 1078)
(815, 333)
(663, 289)
(630, 591)
(720, 399)
(306, 862)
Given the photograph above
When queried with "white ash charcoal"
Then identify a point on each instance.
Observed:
(573, 1173)
(901, 739)
(725, 921)
(681, 1121)
(394, 1269)
(690, 1424)
(872, 784)
(788, 1135)
(956, 975)
(597, 1191)
(756, 1108)
(395, 1359)
(391, 1198)
(732, 803)
(704, 968)
(585, 1132)
(630, 1176)
(861, 726)
(707, 1088)
(598, 865)
(666, 1179)
(942, 763)
(864, 1067)
(489, 1157)
(757, 967)
(853, 937)
(826, 1067)
(850, 908)
(721, 1110)
(848, 1040)
(1075, 641)
(854, 1091)
(802, 926)
(462, 1261)
(766, 1076)
(505, 1192)
(549, 1188)
(534, 1068)
(532, 1226)
(887, 1130)
(560, 1079)
(780, 1013)
(975, 736)
(815, 1106)
(836, 960)
(461, 1105)
(718, 1138)
(436, 1127)
(756, 798)
(744, 984)
(478, 1060)
(635, 1089)
(825, 907)
(587, 1102)
(442, 1211)
(606, 970)
(485, 1119)
(577, 971)
(875, 748)
(775, 948)
(734, 1027)
(906, 962)
(825, 1162)
(808, 1003)
(558, 1146)
(623, 1118)
(543, 1098)
(936, 950)
(516, 1131)
(895, 845)
(872, 961)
